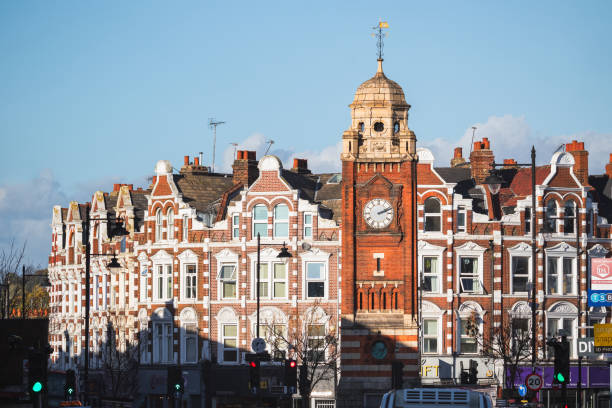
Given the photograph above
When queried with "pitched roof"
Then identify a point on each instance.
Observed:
(200, 190)
(521, 182)
(602, 184)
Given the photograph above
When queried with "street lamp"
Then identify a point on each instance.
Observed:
(23, 294)
(113, 264)
(494, 183)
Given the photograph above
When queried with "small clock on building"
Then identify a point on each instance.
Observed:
(378, 213)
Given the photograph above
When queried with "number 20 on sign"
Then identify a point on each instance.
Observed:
(534, 382)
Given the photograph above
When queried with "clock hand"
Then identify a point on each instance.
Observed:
(384, 211)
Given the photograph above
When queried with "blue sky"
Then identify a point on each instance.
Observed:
(96, 92)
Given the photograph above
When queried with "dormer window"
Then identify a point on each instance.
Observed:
(379, 126)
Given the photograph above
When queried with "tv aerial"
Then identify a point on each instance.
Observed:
(212, 123)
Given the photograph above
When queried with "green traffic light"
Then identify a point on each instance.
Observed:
(37, 386)
(560, 378)
(177, 386)
(70, 391)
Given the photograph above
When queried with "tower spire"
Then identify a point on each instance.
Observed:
(378, 33)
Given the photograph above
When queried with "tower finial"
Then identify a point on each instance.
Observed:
(378, 32)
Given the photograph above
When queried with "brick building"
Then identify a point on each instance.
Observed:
(395, 254)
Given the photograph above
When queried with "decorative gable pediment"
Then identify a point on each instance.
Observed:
(426, 246)
(562, 247)
(521, 309)
(315, 254)
(470, 246)
(187, 255)
(226, 254)
(265, 253)
(598, 251)
(520, 247)
(161, 256)
(430, 308)
(563, 308)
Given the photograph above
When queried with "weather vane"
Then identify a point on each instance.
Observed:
(378, 33)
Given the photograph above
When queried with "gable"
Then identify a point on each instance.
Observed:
(269, 181)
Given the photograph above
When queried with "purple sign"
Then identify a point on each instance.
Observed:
(592, 377)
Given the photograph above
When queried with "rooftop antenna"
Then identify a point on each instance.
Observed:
(235, 148)
(378, 33)
(212, 123)
(271, 142)
(472, 144)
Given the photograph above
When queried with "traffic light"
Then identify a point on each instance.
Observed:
(254, 375)
(562, 362)
(304, 381)
(291, 373)
(37, 372)
(176, 382)
(397, 375)
(69, 385)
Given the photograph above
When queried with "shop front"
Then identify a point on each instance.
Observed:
(595, 386)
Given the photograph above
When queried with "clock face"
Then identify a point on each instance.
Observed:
(378, 213)
(379, 350)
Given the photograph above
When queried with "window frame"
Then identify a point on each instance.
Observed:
(158, 225)
(187, 335)
(170, 224)
(221, 281)
(163, 350)
(551, 215)
(308, 225)
(461, 214)
(190, 279)
(257, 222)
(474, 276)
(560, 261)
(437, 274)
(185, 232)
(526, 275)
(165, 279)
(569, 220)
(432, 215)
(438, 333)
(235, 226)
(324, 279)
(276, 221)
(461, 337)
(269, 282)
(222, 345)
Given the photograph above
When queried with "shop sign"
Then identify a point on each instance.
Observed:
(601, 273)
(603, 338)
(586, 347)
(600, 298)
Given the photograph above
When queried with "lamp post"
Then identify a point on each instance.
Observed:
(23, 294)
(113, 264)
(494, 183)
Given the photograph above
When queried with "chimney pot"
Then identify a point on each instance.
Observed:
(458, 152)
(196, 161)
(186, 162)
(116, 187)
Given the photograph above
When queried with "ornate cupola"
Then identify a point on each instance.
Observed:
(379, 122)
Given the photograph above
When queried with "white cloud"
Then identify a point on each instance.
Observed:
(511, 137)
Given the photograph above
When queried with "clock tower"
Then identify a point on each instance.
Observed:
(379, 234)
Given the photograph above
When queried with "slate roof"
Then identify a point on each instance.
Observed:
(201, 190)
(140, 203)
(602, 184)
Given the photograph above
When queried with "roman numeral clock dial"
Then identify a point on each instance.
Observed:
(378, 213)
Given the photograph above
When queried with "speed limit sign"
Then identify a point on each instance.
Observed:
(534, 382)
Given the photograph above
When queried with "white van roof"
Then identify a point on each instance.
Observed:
(414, 397)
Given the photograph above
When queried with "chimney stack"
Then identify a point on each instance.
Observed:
(457, 159)
(510, 164)
(581, 157)
(481, 160)
(193, 168)
(245, 167)
(300, 166)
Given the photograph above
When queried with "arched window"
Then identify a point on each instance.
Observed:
(569, 217)
(170, 234)
(260, 220)
(433, 215)
(158, 225)
(281, 221)
(551, 214)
